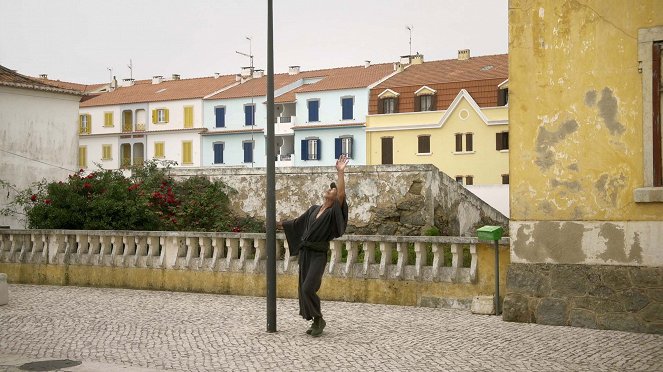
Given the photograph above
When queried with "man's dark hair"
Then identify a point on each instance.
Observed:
(332, 185)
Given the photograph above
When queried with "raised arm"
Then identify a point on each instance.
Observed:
(340, 184)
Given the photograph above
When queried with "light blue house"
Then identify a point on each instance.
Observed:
(319, 115)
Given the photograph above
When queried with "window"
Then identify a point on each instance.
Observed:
(187, 152)
(468, 142)
(311, 149)
(343, 146)
(220, 115)
(84, 123)
(425, 102)
(82, 156)
(313, 110)
(159, 116)
(108, 119)
(650, 43)
(388, 105)
(502, 141)
(459, 179)
(188, 116)
(159, 150)
(502, 97)
(423, 144)
(218, 153)
(469, 180)
(505, 179)
(347, 106)
(248, 151)
(250, 114)
(106, 152)
(387, 150)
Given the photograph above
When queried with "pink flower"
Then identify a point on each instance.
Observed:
(87, 185)
(47, 201)
(33, 197)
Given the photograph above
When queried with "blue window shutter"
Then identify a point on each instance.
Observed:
(249, 110)
(338, 144)
(218, 153)
(313, 111)
(220, 113)
(319, 149)
(248, 152)
(304, 149)
(347, 104)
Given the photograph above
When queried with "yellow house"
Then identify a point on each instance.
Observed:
(585, 163)
(449, 113)
(465, 141)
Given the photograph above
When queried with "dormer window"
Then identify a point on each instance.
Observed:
(503, 93)
(425, 99)
(388, 102)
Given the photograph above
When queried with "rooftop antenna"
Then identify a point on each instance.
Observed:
(110, 74)
(131, 69)
(409, 28)
(250, 55)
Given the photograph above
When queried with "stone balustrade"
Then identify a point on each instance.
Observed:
(352, 256)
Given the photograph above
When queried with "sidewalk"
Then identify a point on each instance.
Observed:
(131, 330)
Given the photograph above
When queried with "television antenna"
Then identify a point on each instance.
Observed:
(409, 28)
(131, 69)
(250, 55)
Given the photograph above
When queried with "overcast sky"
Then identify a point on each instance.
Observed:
(78, 40)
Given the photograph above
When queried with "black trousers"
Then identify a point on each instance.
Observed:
(311, 267)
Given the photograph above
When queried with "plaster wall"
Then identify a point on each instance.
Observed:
(576, 113)
(330, 110)
(39, 136)
(327, 138)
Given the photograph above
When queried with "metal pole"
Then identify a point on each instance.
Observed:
(271, 179)
(497, 278)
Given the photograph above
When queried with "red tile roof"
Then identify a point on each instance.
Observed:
(169, 90)
(257, 87)
(451, 70)
(12, 78)
(83, 88)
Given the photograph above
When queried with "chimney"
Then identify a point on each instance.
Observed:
(238, 77)
(258, 73)
(216, 75)
(128, 82)
(43, 76)
(157, 79)
(367, 64)
(405, 60)
(176, 76)
(399, 67)
(463, 54)
(293, 70)
(113, 83)
(417, 59)
(247, 71)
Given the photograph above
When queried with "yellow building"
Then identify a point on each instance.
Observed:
(585, 163)
(465, 141)
(449, 113)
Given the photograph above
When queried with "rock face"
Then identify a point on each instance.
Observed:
(384, 199)
(624, 298)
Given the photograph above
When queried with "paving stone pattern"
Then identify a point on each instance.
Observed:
(205, 332)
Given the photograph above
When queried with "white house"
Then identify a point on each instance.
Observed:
(146, 119)
(38, 137)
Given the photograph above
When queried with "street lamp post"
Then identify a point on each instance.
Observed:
(271, 179)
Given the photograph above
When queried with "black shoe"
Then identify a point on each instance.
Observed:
(311, 328)
(317, 330)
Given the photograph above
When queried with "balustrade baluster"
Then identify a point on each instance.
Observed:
(385, 257)
(336, 252)
(233, 250)
(438, 260)
(473, 263)
(351, 258)
(421, 256)
(369, 255)
(401, 248)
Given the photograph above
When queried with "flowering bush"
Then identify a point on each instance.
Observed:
(149, 200)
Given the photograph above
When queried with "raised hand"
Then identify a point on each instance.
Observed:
(342, 162)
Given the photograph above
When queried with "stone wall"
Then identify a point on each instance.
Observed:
(624, 298)
(383, 199)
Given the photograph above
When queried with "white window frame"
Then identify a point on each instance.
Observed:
(346, 144)
(313, 153)
(646, 38)
(161, 115)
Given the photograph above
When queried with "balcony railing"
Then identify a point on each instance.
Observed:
(431, 259)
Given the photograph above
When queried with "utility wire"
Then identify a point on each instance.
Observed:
(38, 161)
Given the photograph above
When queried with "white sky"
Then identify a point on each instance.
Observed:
(78, 40)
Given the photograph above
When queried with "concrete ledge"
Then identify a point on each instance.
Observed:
(4, 290)
(648, 195)
(484, 305)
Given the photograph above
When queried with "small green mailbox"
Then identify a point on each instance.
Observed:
(490, 233)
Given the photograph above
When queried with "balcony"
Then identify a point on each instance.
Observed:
(284, 161)
(283, 125)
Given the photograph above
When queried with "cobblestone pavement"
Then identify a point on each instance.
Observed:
(204, 332)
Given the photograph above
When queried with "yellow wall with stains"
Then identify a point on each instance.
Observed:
(484, 163)
(575, 109)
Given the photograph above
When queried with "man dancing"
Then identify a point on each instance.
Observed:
(309, 235)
